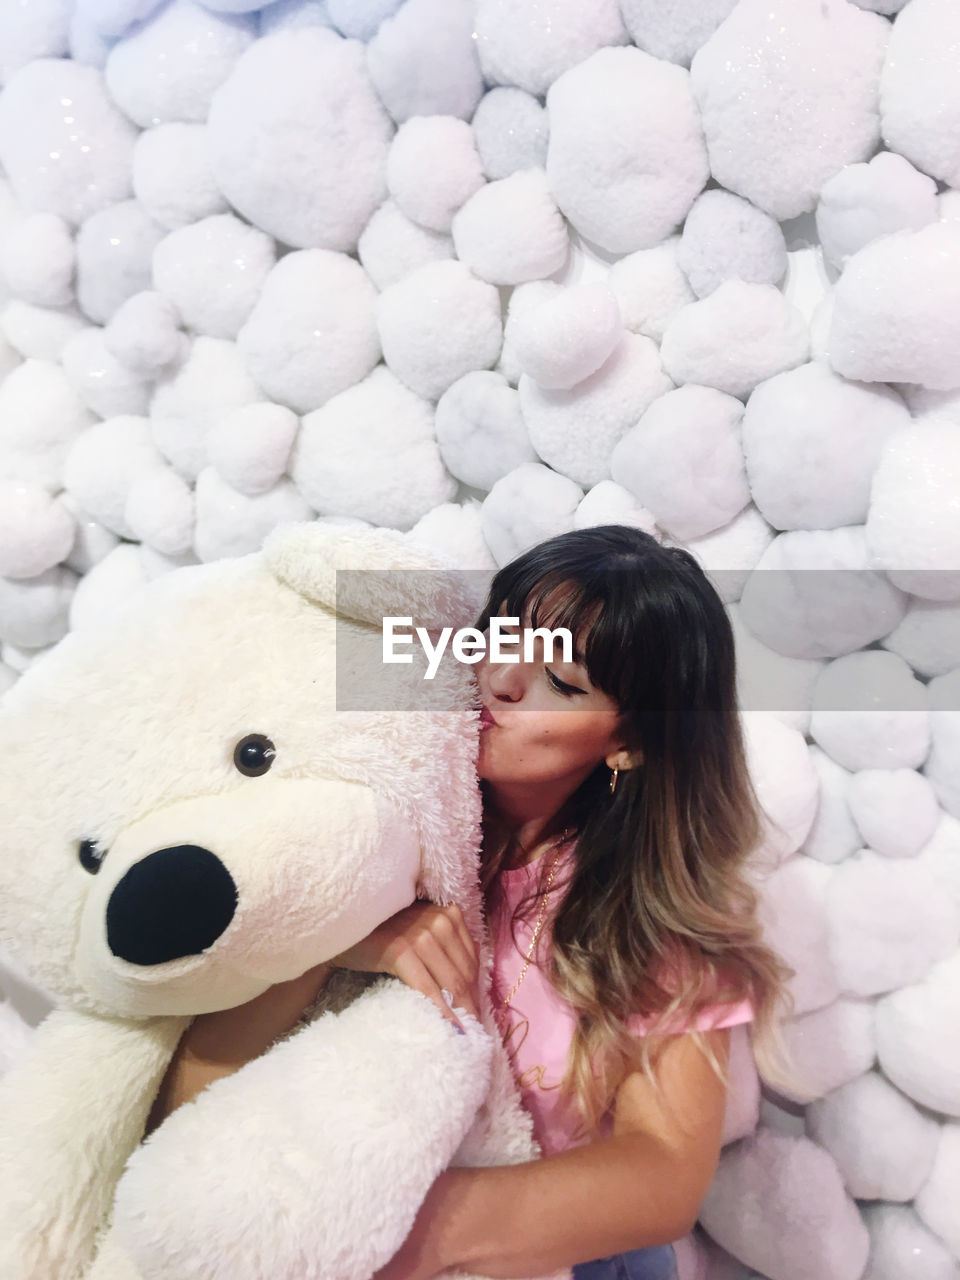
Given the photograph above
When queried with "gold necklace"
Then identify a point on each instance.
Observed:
(541, 916)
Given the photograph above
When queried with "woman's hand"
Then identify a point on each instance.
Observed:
(427, 947)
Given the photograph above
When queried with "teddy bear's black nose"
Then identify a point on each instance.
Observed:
(175, 902)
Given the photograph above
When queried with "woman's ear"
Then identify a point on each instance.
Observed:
(623, 759)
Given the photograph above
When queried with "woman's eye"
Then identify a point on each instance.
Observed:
(560, 686)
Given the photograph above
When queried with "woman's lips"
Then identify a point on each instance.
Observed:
(486, 719)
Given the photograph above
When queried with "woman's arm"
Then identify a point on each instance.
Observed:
(643, 1186)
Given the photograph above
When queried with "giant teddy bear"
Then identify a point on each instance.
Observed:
(186, 820)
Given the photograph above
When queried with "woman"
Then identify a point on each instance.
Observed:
(618, 814)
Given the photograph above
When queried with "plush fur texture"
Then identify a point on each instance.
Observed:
(311, 1161)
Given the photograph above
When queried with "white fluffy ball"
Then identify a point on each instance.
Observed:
(568, 336)
(528, 44)
(433, 168)
(511, 231)
(626, 157)
(173, 175)
(438, 323)
(727, 238)
(312, 332)
(511, 129)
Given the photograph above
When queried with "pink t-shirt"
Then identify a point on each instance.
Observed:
(538, 1026)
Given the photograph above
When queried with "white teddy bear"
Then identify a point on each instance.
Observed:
(188, 819)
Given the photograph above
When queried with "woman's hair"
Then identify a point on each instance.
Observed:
(659, 913)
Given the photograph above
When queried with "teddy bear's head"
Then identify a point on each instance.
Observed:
(185, 816)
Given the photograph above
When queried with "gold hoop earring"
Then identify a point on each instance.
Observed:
(613, 779)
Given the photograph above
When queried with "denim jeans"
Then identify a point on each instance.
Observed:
(657, 1263)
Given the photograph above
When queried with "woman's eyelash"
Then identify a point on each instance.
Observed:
(560, 685)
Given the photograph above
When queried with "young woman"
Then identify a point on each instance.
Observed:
(618, 818)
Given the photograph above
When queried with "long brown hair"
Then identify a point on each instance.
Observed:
(658, 915)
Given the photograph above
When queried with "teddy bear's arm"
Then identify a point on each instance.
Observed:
(72, 1107)
(311, 1162)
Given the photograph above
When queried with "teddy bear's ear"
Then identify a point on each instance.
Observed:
(382, 573)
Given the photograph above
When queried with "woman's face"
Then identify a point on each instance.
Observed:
(550, 725)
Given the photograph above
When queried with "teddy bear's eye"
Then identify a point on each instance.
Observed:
(91, 856)
(254, 754)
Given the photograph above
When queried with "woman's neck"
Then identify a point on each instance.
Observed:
(525, 840)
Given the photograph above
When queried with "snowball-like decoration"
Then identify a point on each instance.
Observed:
(168, 67)
(35, 611)
(40, 417)
(912, 528)
(511, 231)
(829, 1047)
(86, 43)
(36, 531)
(191, 400)
(736, 550)
(626, 157)
(524, 300)
(650, 288)
(833, 835)
(897, 312)
(213, 272)
(883, 1145)
(673, 29)
(92, 541)
(360, 21)
(812, 442)
(231, 524)
(390, 245)
(250, 446)
(943, 693)
(28, 31)
(525, 507)
(40, 333)
(433, 168)
(480, 429)
(438, 323)
(786, 785)
(295, 15)
(107, 587)
(159, 510)
(795, 923)
(371, 452)
(423, 61)
(105, 385)
(73, 123)
(779, 1204)
(454, 532)
(299, 139)
(104, 463)
(144, 333)
(900, 1245)
(528, 44)
(511, 130)
(609, 503)
(919, 105)
(173, 177)
(568, 336)
(313, 331)
(895, 810)
(684, 462)
(727, 238)
(575, 431)
(788, 95)
(937, 1202)
(865, 201)
(941, 855)
(870, 712)
(766, 681)
(918, 1038)
(928, 637)
(738, 336)
(37, 260)
(889, 923)
(112, 18)
(114, 258)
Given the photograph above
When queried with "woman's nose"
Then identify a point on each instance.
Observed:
(504, 680)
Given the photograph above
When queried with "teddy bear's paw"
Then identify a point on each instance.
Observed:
(311, 1162)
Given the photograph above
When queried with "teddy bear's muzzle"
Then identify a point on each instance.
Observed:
(175, 902)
